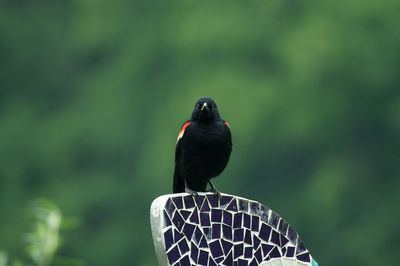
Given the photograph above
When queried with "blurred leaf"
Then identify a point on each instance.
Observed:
(43, 242)
(3, 258)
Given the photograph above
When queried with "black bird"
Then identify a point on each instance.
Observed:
(203, 149)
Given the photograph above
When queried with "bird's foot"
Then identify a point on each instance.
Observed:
(216, 192)
(213, 189)
(191, 192)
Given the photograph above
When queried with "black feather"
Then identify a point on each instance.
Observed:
(204, 149)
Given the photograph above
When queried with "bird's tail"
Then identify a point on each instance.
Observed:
(179, 183)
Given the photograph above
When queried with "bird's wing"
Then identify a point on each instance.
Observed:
(179, 183)
(229, 135)
(226, 124)
(182, 131)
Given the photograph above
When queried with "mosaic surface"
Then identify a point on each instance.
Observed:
(205, 230)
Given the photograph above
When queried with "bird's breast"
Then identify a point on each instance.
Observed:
(209, 135)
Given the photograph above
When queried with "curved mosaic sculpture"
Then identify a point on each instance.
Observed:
(205, 230)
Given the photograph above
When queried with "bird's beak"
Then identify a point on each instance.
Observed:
(205, 106)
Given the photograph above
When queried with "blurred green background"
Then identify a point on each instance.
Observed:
(93, 93)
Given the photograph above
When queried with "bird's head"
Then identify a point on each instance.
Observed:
(205, 109)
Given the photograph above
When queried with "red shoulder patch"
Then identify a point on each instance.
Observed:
(226, 123)
(182, 130)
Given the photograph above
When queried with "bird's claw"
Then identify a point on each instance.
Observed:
(213, 189)
(216, 193)
(191, 192)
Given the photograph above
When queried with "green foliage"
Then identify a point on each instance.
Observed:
(43, 241)
(3, 258)
(93, 94)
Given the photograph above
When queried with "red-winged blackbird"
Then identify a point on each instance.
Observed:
(203, 148)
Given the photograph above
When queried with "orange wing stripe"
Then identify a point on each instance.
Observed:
(226, 123)
(182, 130)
